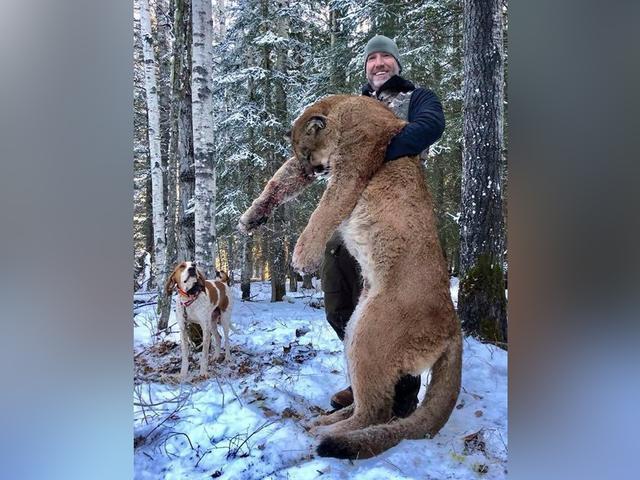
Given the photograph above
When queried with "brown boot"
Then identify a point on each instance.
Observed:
(342, 399)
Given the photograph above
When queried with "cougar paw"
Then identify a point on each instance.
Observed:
(247, 223)
(307, 256)
(321, 430)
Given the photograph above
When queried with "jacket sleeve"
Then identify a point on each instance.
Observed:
(426, 124)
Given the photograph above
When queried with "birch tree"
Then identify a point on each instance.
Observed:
(142, 213)
(155, 160)
(164, 51)
(203, 142)
(481, 302)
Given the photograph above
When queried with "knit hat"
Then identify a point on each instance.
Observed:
(380, 43)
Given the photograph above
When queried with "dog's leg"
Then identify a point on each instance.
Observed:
(184, 346)
(226, 322)
(218, 339)
(206, 342)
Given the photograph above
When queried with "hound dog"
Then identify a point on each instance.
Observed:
(202, 301)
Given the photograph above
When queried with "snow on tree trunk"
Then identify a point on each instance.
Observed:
(157, 182)
(203, 145)
(221, 29)
(481, 302)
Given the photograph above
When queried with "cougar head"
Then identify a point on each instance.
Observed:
(311, 143)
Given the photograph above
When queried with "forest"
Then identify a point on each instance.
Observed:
(217, 85)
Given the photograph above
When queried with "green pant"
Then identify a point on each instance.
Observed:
(342, 285)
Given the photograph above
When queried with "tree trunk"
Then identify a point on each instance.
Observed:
(277, 257)
(277, 263)
(157, 181)
(246, 267)
(291, 243)
(182, 140)
(337, 43)
(481, 302)
(203, 142)
(220, 15)
(165, 53)
(231, 260)
(306, 281)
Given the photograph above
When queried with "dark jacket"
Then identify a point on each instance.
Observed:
(425, 117)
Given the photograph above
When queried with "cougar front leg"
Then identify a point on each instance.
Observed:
(286, 184)
(317, 423)
(337, 203)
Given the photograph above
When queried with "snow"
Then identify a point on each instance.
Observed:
(243, 422)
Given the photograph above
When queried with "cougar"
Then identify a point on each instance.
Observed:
(404, 322)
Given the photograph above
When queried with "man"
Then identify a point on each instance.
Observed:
(341, 280)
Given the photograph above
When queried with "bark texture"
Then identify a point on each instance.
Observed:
(481, 306)
(203, 141)
(155, 159)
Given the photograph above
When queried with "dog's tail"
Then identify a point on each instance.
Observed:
(425, 422)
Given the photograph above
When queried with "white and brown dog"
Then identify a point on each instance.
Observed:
(202, 301)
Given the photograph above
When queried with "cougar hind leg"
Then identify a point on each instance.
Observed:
(373, 378)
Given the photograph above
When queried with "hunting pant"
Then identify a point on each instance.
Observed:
(342, 284)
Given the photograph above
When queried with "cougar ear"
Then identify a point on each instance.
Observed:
(317, 122)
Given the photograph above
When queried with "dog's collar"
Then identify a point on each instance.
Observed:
(189, 298)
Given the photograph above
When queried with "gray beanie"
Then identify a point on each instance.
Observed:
(380, 43)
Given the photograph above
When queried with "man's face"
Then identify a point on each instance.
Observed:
(380, 67)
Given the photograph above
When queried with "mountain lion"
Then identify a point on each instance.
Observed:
(405, 321)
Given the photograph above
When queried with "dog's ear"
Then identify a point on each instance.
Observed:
(201, 278)
(224, 277)
(171, 283)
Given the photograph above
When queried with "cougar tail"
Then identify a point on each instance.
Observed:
(425, 422)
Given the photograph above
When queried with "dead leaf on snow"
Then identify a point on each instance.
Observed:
(474, 442)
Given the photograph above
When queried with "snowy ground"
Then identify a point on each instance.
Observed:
(244, 421)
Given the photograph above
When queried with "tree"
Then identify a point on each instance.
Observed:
(203, 141)
(482, 302)
(181, 148)
(142, 213)
(167, 122)
(157, 181)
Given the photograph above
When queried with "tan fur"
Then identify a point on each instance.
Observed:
(174, 278)
(210, 307)
(212, 291)
(404, 322)
(224, 300)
